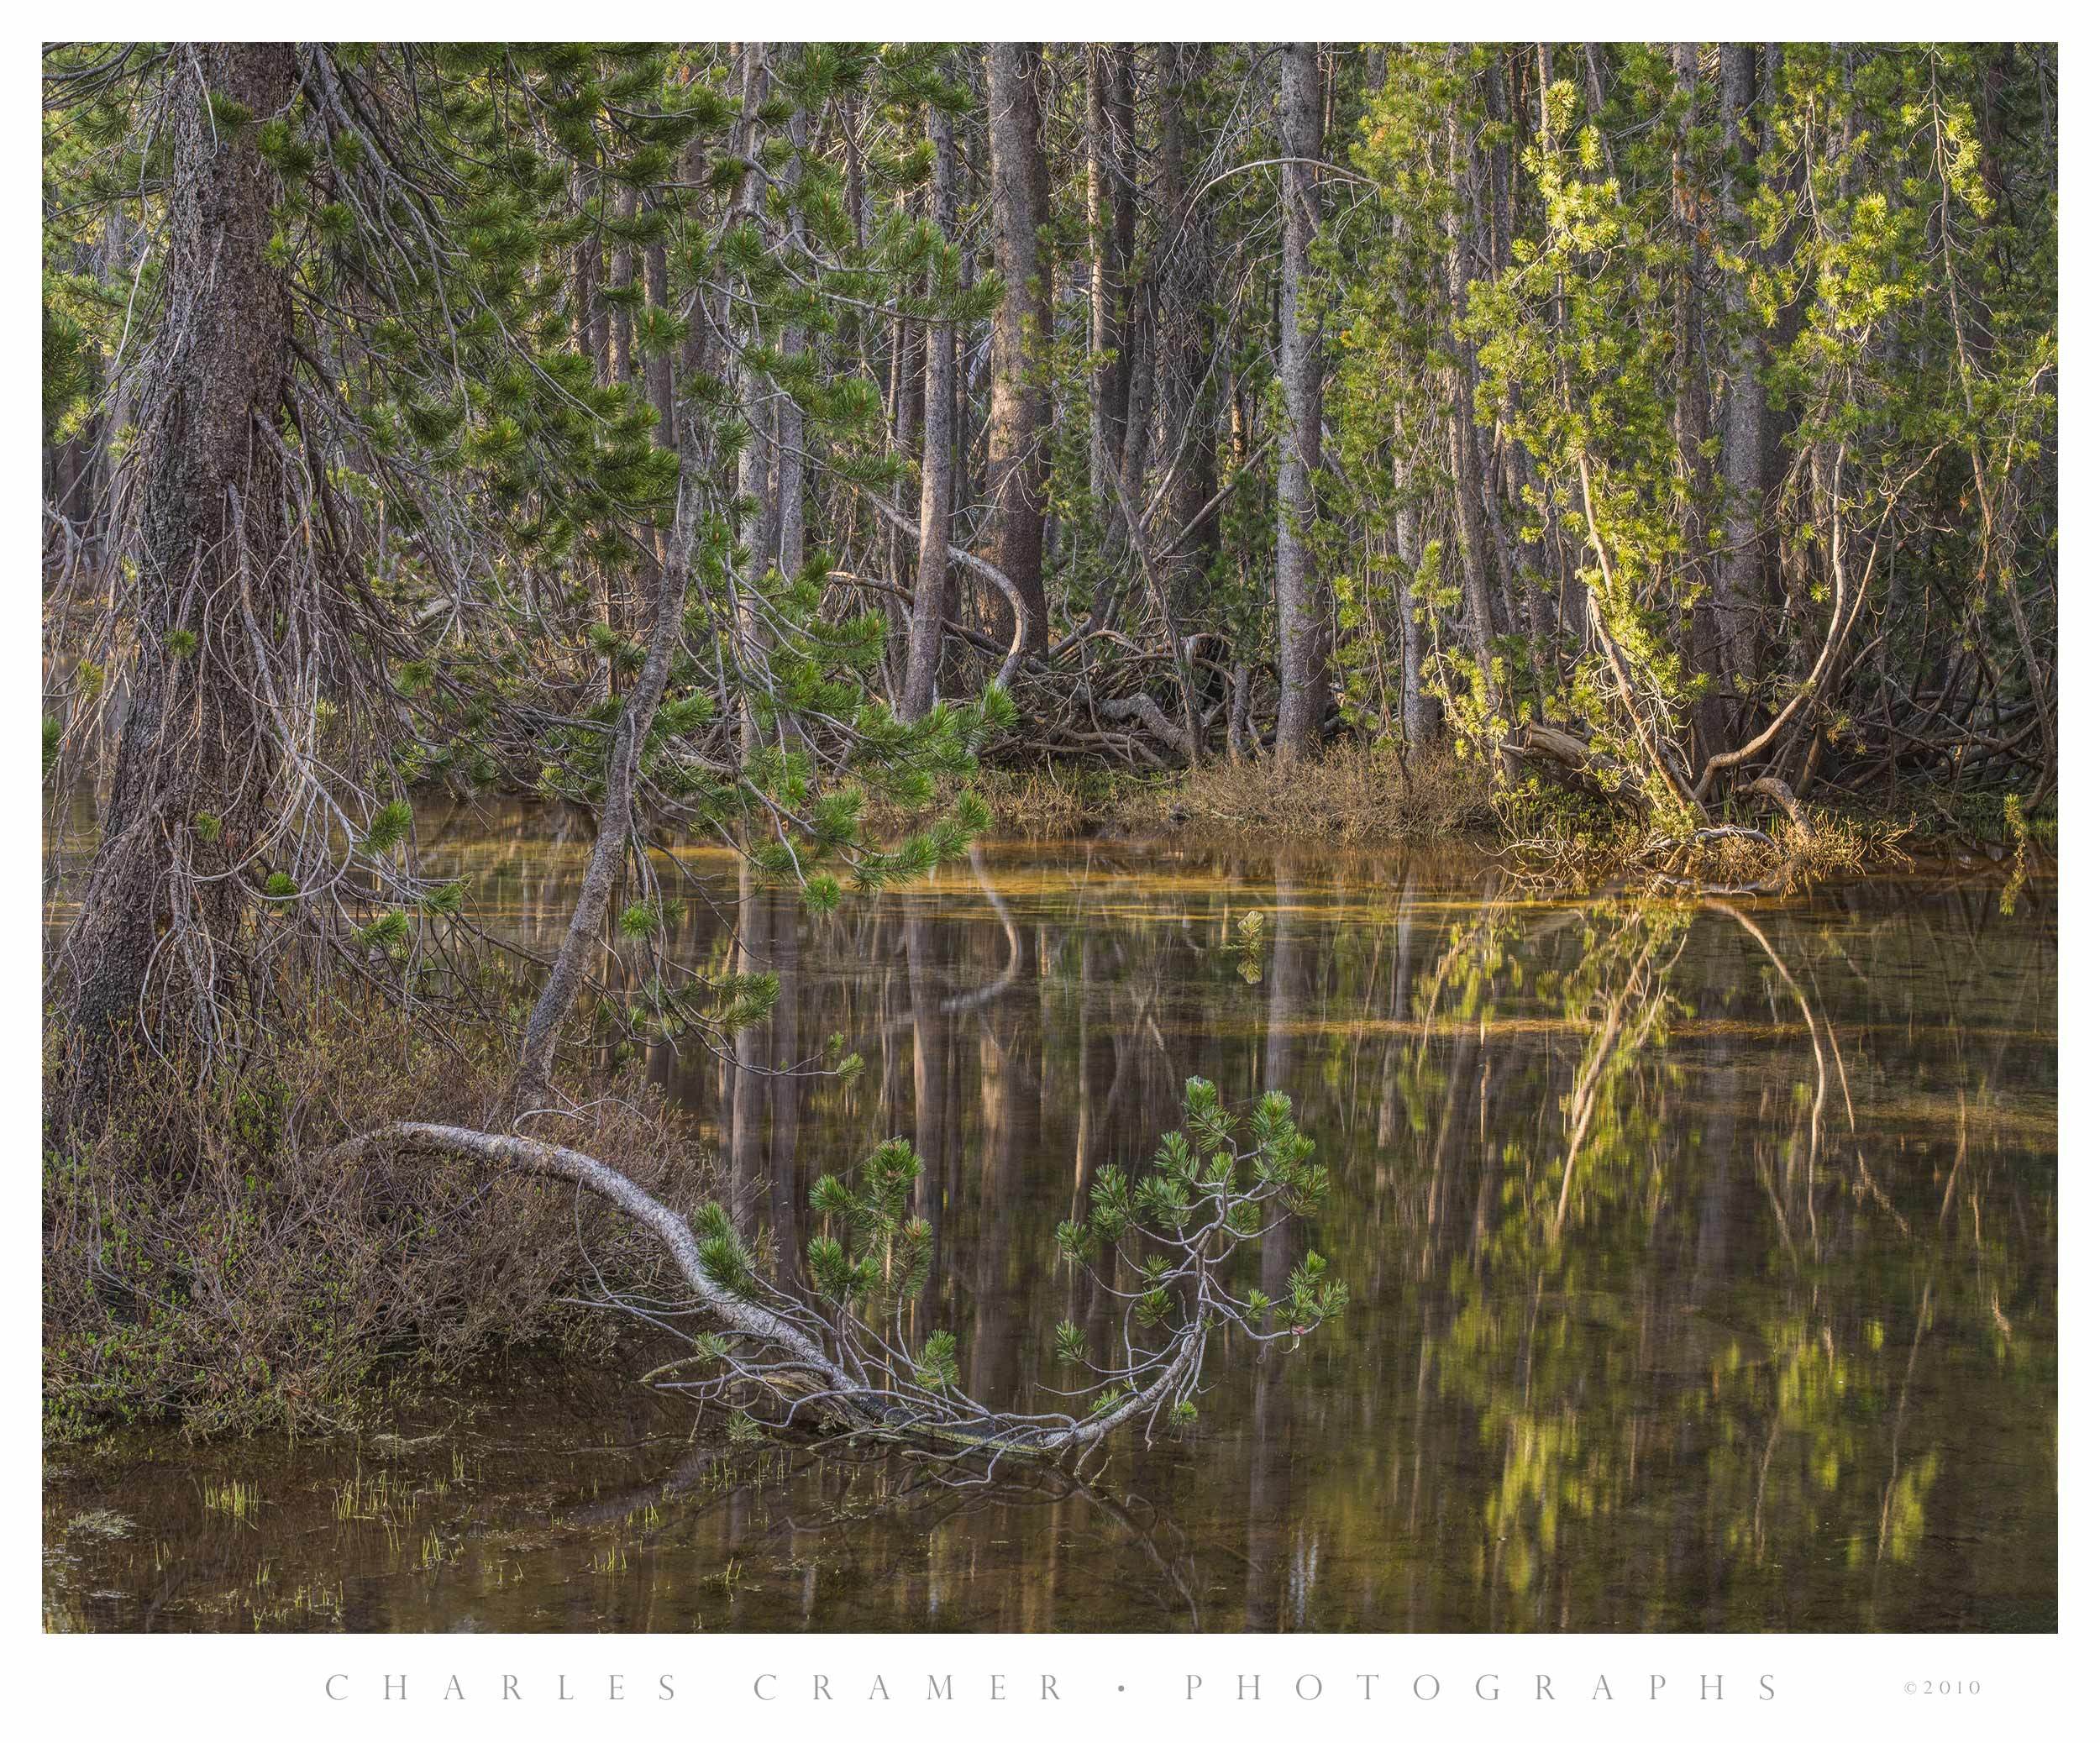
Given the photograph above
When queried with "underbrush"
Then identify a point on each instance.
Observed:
(1555, 839)
(207, 1262)
(1051, 798)
(1551, 835)
(1354, 793)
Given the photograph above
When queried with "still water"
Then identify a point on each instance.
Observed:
(1703, 1263)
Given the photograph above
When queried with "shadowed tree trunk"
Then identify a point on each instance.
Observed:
(167, 901)
(584, 938)
(929, 597)
(1469, 515)
(788, 421)
(1185, 330)
(620, 331)
(756, 472)
(1693, 413)
(1112, 230)
(1301, 614)
(1018, 438)
(1419, 719)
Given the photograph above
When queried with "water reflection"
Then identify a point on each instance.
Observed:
(1702, 1264)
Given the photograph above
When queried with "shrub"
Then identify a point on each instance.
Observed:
(206, 1261)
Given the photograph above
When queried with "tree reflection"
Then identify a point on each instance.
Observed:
(1594, 1328)
(1703, 1256)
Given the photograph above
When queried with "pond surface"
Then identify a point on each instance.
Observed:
(1703, 1261)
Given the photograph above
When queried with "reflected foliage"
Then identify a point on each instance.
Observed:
(1701, 1258)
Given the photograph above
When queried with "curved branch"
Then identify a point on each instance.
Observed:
(965, 1426)
(1844, 614)
(977, 565)
(501, 1150)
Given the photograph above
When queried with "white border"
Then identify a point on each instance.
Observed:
(170, 1688)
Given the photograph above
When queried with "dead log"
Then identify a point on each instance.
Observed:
(1770, 786)
(1575, 766)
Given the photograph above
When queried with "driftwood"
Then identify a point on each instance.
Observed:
(1143, 709)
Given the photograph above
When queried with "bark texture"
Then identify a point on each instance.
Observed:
(1301, 612)
(1017, 456)
(937, 477)
(160, 933)
(1738, 583)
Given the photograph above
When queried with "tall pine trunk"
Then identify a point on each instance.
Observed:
(1469, 514)
(1184, 331)
(929, 597)
(1018, 439)
(1301, 613)
(1692, 419)
(1738, 581)
(1111, 221)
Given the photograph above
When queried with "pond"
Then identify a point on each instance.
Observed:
(1702, 1259)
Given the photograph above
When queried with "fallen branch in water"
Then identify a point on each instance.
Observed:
(836, 1357)
(501, 1150)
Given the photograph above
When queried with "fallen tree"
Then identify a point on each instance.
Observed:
(830, 1354)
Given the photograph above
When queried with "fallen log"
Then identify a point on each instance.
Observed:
(1577, 766)
(818, 1363)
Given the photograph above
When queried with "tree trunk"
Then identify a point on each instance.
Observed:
(1523, 599)
(1301, 613)
(789, 520)
(929, 597)
(167, 902)
(1017, 458)
(1693, 416)
(1469, 516)
(620, 333)
(657, 368)
(1418, 716)
(757, 474)
(1739, 584)
(616, 815)
(1112, 220)
(1182, 330)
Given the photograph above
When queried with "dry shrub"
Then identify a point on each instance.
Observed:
(1030, 800)
(205, 1260)
(1354, 793)
(1575, 849)
(1052, 800)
